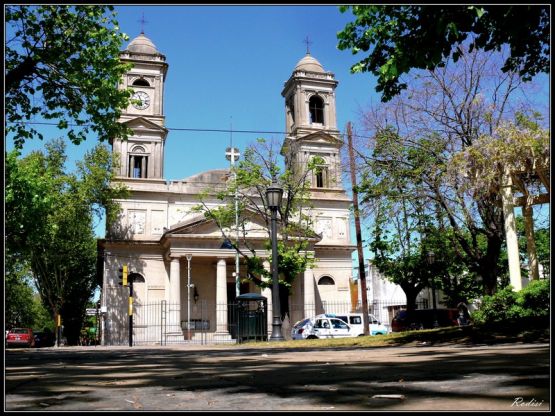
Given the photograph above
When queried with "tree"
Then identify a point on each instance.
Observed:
(543, 247)
(253, 174)
(521, 145)
(442, 113)
(517, 150)
(402, 38)
(406, 224)
(62, 63)
(49, 225)
(18, 309)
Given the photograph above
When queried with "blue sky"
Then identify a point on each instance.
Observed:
(227, 67)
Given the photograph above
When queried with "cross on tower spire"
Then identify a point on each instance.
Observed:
(143, 21)
(308, 42)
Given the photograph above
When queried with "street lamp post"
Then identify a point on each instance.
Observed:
(189, 257)
(273, 198)
(431, 259)
(232, 154)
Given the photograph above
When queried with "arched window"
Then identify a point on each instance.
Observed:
(141, 82)
(325, 280)
(138, 163)
(320, 173)
(316, 108)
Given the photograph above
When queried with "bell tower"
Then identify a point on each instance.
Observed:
(142, 155)
(311, 124)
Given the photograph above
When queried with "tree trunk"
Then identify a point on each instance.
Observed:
(488, 265)
(411, 293)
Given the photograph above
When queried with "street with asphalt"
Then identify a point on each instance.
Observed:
(259, 377)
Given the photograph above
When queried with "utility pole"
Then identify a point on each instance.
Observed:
(361, 270)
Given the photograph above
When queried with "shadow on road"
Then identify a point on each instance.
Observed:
(327, 376)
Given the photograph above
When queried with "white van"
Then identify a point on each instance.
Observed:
(355, 322)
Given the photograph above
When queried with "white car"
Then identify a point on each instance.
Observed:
(355, 322)
(321, 326)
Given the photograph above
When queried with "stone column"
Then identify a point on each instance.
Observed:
(221, 298)
(510, 231)
(175, 294)
(309, 298)
(267, 293)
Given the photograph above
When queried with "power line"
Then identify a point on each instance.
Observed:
(185, 129)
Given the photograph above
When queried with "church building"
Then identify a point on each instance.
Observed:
(184, 282)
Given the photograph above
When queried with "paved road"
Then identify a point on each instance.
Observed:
(510, 377)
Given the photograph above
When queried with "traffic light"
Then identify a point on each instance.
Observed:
(123, 275)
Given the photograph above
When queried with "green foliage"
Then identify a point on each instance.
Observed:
(406, 224)
(42, 319)
(508, 309)
(49, 225)
(534, 299)
(543, 247)
(403, 37)
(430, 135)
(250, 178)
(62, 63)
(18, 308)
(497, 308)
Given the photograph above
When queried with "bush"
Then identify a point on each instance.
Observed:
(507, 309)
(534, 299)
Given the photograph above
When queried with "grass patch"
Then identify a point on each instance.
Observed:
(438, 336)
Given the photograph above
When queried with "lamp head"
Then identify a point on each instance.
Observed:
(274, 193)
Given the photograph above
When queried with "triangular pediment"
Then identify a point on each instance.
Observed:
(200, 226)
(320, 137)
(144, 124)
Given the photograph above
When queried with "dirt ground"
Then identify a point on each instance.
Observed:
(508, 377)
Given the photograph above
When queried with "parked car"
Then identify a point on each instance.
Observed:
(321, 326)
(20, 337)
(355, 322)
(44, 339)
(301, 328)
(423, 319)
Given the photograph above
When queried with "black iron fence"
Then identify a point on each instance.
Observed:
(165, 323)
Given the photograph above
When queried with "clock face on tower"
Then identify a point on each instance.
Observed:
(141, 100)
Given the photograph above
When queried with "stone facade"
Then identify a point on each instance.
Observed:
(157, 229)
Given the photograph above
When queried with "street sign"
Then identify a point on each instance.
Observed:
(91, 311)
